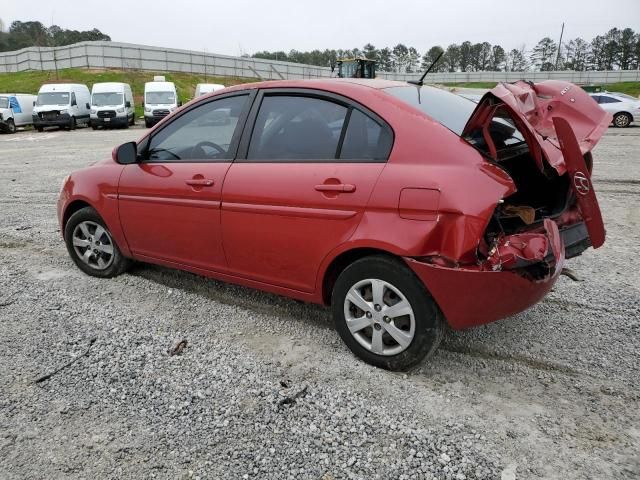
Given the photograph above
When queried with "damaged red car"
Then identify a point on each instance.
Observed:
(403, 207)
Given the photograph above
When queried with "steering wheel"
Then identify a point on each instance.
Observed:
(205, 143)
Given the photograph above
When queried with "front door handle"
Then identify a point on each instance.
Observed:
(200, 182)
(338, 188)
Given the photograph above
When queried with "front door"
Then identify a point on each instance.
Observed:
(310, 166)
(169, 202)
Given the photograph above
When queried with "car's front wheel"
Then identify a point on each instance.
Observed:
(384, 314)
(91, 245)
(622, 120)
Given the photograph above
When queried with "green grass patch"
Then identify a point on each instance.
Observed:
(30, 82)
(630, 88)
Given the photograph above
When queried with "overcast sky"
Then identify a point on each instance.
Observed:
(245, 26)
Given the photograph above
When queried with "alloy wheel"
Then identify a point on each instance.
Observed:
(379, 317)
(93, 245)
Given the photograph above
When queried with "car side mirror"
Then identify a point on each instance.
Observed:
(87, 105)
(126, 154)
(127, 104)
(34, 103)
(74, 103)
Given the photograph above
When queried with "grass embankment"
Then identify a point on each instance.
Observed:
(630, 88)
(30, 82)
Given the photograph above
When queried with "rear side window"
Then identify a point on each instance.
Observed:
(604, 99)
(365, 139)
(296, 127)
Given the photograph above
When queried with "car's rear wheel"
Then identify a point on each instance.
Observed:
(622, 120)
(384, 314)
(91, 245)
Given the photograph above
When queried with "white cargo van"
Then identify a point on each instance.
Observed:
(160, 99)
(16, 110)
(112, 105)
(62, 105)
(204, 88)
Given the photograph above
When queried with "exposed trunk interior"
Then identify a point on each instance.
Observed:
(540, 193)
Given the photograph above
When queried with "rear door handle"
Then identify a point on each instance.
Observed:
(340, 187)
(200, 182)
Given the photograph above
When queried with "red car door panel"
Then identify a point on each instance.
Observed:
(278, 227)
(171, 211)
(169, 204)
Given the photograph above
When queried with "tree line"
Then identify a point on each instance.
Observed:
(615, 49)
(29, 34)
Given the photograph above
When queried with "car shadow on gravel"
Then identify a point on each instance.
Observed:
(294, 310)
(235, 295)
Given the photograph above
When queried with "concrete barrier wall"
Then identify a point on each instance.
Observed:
(140, 57)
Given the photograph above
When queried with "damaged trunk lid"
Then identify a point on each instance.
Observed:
(554, 123)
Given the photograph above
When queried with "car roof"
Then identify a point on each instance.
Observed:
(322, 84)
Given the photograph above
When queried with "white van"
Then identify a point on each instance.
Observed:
(204, 88)
(112, 105)
(62, 105)
(16, 110)
(160, 99)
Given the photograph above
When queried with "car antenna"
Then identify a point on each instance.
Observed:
(420, 82)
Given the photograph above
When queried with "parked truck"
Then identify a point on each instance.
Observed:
(15, 111)
(112, 105)
(62, 105)
(160, 99)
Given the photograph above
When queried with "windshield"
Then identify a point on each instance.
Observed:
(160, 98)
(451, 110)
(106, 98)
(53, 98)
(4, 102)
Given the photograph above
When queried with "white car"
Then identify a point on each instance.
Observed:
(624, 108)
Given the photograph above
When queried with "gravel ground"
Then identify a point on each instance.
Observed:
(264, 387)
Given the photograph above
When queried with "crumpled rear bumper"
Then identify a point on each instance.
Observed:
(472, 296)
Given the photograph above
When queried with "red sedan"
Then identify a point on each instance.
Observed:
(402, 207)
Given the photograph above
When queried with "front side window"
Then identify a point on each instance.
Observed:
(605, 99)
(205, 132)
(296, 128)
(53, 98)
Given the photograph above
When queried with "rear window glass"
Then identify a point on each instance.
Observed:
(449, 109)
(365, 139)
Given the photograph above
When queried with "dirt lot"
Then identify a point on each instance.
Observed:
(265, 388)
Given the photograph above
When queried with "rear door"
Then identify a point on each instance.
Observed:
(306, 168)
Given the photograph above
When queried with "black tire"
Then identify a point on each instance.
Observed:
(147, 123)
(11, 126)
(40, 129)
(119, 264)
(94, 127)
(622, 120)
(429, 324)
(72, 123)
(133, 120)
